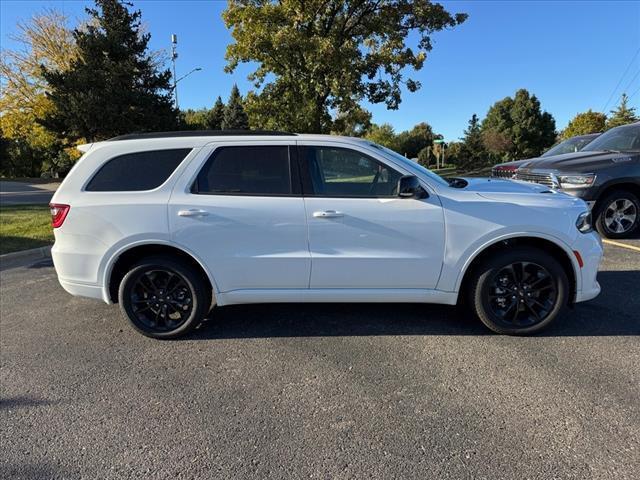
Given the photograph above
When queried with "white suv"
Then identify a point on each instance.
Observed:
(169, 225)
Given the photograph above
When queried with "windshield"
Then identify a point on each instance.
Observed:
(570, 145)
(405, 161)
(622, 139)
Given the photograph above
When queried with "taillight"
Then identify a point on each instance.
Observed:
(58, 214)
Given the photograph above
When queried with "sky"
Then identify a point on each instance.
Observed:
(573, 55)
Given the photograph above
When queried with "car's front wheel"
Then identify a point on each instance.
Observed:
(163, 298)
(519, 291)
(618, 214)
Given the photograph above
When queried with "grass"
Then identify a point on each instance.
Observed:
(24, 226)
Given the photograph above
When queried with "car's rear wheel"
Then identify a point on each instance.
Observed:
(163, 298)
(618, 214)
(519, 292)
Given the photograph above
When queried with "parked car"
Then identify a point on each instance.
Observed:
(605, 174)
(573, 144)
(168, 225)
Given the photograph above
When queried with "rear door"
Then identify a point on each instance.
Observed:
(361, 234)
(239, 208)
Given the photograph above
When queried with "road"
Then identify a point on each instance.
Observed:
(24, 193)
(318, 391)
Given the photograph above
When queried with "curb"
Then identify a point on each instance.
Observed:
(35, 253)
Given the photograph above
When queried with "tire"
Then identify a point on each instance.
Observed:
(177, 304)
(608, 208)
(493, 300)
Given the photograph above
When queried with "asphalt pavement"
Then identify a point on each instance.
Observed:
(24, 193)
(318, 391)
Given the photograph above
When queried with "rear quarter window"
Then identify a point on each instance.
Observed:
(137, 171)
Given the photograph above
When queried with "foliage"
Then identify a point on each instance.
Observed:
(195, 119)
(472, 154)
(455, 153)
(353, 123)
(411, 142)
(215, 116)
(114, 86)
(585, 123)
(24, 226)
(235, 118)
(516, 128)
(315, 56)
(29, 147)
(383, 135)
(623, 114)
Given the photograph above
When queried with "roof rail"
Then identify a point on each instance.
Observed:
(197, 133)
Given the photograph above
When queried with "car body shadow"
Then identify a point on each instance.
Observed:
(613, 313)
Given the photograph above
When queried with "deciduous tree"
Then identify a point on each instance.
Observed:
(585, 123)
(383, 135)
(44, 40)
(317, 56)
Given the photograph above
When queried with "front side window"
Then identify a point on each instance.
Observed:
(246, 170)
(340, 172)
(137, 171)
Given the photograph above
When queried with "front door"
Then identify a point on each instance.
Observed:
(240, 210)
(361, 234)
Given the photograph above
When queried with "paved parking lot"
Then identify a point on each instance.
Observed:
(319, 391)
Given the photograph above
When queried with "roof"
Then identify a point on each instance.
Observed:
(198, 133)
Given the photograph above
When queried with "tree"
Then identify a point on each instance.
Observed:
(44, 40)
(195, 119)
(215, 118)
(585, 123)
(383, 135)
(516, 128)
(235, 118)
(115, 85)
(622, 115)
(472, 154)
(410, 142)
(354, 123)
(317, 56)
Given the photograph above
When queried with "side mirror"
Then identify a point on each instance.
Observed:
(409, 187)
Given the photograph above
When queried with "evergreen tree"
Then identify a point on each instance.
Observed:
(472, 153)
(216, 115)
(622, 115)
(114, 86)
(516, 128)
(235, 118)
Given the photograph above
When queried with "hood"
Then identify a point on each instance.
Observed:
(511, 165)
(494, 185)
(577, 161)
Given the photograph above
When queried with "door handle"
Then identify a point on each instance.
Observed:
(328, 214)
(194, 212)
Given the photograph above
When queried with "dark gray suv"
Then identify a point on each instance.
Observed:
(605, 173)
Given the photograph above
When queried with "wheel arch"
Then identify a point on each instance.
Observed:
(618, 184)
(556, 249)
(118, 264)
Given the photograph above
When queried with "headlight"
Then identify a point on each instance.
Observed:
(576, 181)
(583, 223)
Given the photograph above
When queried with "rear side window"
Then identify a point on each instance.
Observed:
(137, 171)
(246, 170)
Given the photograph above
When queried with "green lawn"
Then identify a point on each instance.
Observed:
(24, 226)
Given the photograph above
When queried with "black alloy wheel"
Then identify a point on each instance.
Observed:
(522, 294)
(164, 297)
(518, 291)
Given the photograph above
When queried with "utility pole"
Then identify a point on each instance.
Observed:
(174, 55)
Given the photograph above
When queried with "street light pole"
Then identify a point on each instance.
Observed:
(174, 55)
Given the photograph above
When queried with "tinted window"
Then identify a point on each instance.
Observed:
(339, 172)
(621, 138)
(246, 170)
(137, 171)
